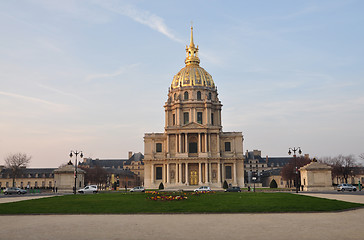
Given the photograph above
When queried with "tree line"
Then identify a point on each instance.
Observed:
(342, 167)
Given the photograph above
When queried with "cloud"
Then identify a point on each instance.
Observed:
(118, 72)
(141, 16)
(32, 99)
(60, 92)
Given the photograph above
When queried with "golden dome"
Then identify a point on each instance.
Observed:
(192, 74)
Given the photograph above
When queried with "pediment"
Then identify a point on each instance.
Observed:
(193, 125)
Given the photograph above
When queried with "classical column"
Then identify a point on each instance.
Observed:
(210, 172)
(180, 143)
(167, 174)
(209, 143)
(218, 143)
(199, 173)
(177, 143)
(199, 143)
(218, 172)
(206, 173)
(179, 173)
(235, 182)
(152, 173)
(223, 172)
(176, 174)
(206, 142)
(186, 173)
(186, 139)
(167, 144)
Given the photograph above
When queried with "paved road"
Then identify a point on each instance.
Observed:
(338, 225)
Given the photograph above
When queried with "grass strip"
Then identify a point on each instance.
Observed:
(220, 202)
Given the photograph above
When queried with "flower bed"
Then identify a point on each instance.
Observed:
(171, 196)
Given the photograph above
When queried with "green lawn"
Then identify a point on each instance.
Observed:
(220, 202)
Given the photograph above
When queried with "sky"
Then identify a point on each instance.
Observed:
(93, 76)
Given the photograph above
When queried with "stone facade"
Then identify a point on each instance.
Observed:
(193, 150)
(316, 176)
(64, 178)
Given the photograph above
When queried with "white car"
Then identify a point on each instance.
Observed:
(203, 189)
(89, 189)
(137, 189)
(346, 187)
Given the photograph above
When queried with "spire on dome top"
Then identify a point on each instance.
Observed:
(191, 41)
(192, 51)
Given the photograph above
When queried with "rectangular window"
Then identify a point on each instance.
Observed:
(212, 119)
(227, 147)
(199, 117)
(158, 173)
(50, 184)
(228, 172)
(36, 184)
(174, 119)
(186, 117)
(158, 147)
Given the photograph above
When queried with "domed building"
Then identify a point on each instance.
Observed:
(193, 150)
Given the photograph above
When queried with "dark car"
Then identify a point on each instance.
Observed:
(233, 189)
(15, 190)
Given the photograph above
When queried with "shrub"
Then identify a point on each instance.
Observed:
(161, 186)
(225, 186)
(273, 184)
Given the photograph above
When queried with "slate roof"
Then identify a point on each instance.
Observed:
(272, 161)
(30, 172)
(136, 157)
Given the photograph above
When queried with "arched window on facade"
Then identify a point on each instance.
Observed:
(209, 96)
(198, 95)
(186, 96)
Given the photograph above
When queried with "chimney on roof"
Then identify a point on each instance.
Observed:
(266, 159)
(130, 154)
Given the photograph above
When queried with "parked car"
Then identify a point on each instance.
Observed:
(137, 189)
(233, 189)
(16, 190)
(346, 187)
(203, 189)
(89, 189)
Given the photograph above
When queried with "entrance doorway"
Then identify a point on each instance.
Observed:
(193, 177)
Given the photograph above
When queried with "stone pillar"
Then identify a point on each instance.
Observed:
(209, 143)
(235, 182)
(206, 173)
(218, 172)
(177, 143)
(223, 172)
(167, 144)
(167, 174)
(176, 174)
(210, 172)
(186, 142)
(206, 142)
(180, 143)
(218, 144)
(199, 173)
(186, 173)
(199, 143)
(152, 173)
(180, 173)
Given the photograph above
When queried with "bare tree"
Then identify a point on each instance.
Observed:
(343, 167)
(288, 172)
(15, 162)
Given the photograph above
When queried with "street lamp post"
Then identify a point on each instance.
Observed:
(294, 149)
(71, 155)
(254, 178)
